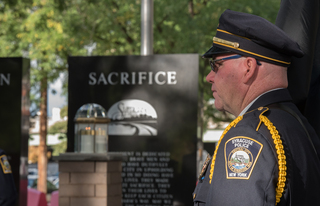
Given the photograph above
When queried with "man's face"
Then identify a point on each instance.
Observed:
(225, 81)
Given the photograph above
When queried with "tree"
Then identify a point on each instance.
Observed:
(42, 34)
(34, 30)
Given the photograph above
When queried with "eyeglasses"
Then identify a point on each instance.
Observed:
(215, 67)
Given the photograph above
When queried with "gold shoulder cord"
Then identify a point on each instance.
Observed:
(232, 124)
(281, 156)
(278, 145)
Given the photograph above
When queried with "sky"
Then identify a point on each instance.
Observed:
(55, 100)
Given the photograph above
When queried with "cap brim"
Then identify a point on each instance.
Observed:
(214, 51)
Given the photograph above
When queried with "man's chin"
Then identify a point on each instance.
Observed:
(218, 106)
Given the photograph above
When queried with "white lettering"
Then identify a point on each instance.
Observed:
(103, 79)
(150, 77)
(172, 78)
(240, 142)
(241, 145)
(127, 78)
(142, 76)
(92, 76)
(133, 78)
(241, 174)
(110, 76)
(124, 78)
(156, 78)
(3, 78)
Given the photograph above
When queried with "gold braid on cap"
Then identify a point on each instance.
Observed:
(278, 145)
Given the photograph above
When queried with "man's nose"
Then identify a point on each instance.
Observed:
(210, 77)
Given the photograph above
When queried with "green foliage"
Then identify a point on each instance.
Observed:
(64, 112)
(50, 187)
(61, 129)
(59, 148)
(33, 29)
(113, 27)
(58, 127)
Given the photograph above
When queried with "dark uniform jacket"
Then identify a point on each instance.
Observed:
(8, 194)
(264, 157)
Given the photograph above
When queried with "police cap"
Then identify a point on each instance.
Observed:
(251, 35)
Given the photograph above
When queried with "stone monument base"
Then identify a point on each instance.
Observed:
(90, 179)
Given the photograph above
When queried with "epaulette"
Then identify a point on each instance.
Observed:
(278, 146)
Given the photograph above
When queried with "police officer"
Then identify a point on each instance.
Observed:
(269, 155)
(8, 194)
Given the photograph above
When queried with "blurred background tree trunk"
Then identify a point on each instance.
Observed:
(42, 158)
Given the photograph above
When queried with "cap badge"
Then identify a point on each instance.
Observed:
(229, 43)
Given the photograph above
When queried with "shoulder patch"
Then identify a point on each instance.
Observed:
(5, 164)
(204, 167)
(241, 154)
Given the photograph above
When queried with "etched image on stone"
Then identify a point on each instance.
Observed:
(132, 117)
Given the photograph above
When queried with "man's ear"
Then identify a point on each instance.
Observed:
(250, 69)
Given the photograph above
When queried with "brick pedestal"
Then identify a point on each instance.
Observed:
(90, 179)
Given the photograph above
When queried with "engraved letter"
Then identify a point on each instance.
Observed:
(110, 80)
(92, 77)
(172, 78)
(103, 79)
(156, 78)
(142, 76)
(124, 78)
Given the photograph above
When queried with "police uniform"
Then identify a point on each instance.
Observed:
(8, 194)
(270, 154)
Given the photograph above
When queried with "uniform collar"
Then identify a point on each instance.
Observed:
(269, 97)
